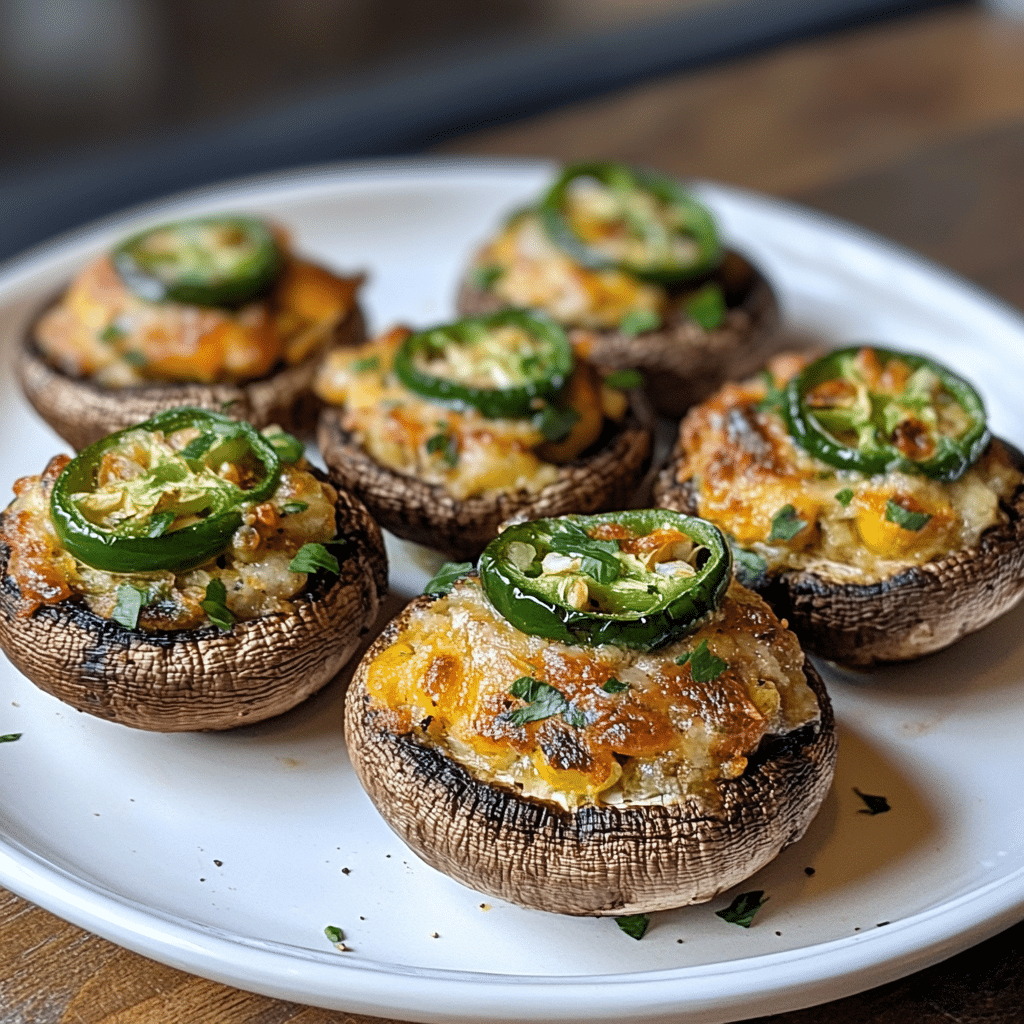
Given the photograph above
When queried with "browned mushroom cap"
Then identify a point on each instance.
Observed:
(682, 364)
(184, 680)
(912, 613)
(82, 412)
(461, 528)
(598, 859)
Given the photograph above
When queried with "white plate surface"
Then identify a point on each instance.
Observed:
(228, 854)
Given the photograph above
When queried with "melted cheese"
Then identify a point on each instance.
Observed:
(101, 330)
(462, 450)
(748, 470)
(448, 675)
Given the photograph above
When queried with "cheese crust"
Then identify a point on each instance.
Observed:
(642, 730)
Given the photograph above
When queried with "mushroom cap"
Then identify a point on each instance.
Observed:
(914, 612)
(595, 860)
(81, 411)
(192, 679)
(461, 528)
(682, 363)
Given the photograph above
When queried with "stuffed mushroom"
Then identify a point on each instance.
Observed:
(187, 573)
(448, 432)
(866, 499)
(599, 721)
(215, 312)
(632, 266)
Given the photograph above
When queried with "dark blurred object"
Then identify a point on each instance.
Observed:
(106, 104)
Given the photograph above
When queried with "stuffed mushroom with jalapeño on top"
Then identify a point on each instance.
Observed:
(632, 266)
(187, 573)
(601, 720)
(445, 433)
(866, 499)
(214, 312)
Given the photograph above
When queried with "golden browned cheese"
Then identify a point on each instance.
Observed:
(462, 450)
(254, 569)
(101, 330)
(748, 470)
(447, 678)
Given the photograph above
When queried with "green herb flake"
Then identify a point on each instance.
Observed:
(874, 804)
(748, 566)
(288, 447)
(556, 424)
(291, 508)
(336, 937)
(742, 909)
(313, 557)
(707, 307)
(908, 520)
(639, 321)
(446, 577)
(446, 446)
(774, 396)
(198, 447)
(10, 737)
(544, 701)
(614, 685)
(786, 524)
(705, 667)
(844, 497)
(215, 605)
(130, 601)
(367, 364)
(634, 925)
(625, 379)
(112, 333)
(486, 276)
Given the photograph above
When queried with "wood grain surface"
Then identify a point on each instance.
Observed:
(914, 129)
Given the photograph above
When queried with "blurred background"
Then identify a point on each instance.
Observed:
(106, 103)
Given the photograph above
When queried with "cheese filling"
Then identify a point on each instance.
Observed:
(797, 512)
(625, 726)
(460, 449)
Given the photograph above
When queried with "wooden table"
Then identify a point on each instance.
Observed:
(914, 129)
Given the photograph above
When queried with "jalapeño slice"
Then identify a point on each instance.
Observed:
(607, 216)
(500, 364)
(128, 525)
(875, 410)
(637, 579)
(211, 261)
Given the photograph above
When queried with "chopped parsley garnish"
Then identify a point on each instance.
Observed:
(897, 514)
(311, 557)
(112, 333)
(874, 804)
(634, 925)
(707, 306)
(215, 605)
(446, 446)
(748, 566)
(130, 601)
(786, 524)
(599, 558)
(639, 321)
(446, 577)
(366, 364)
(625, 379)
(337, 937)
(742, 909)
(556, 424)
(543, 701)
(773, 394)
(614, 685)
(485, 276)
(704, 666)
(288, 447)
(844, 497)
(291, 508)
(10, 737)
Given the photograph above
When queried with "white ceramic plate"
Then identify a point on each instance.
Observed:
(228, 854)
